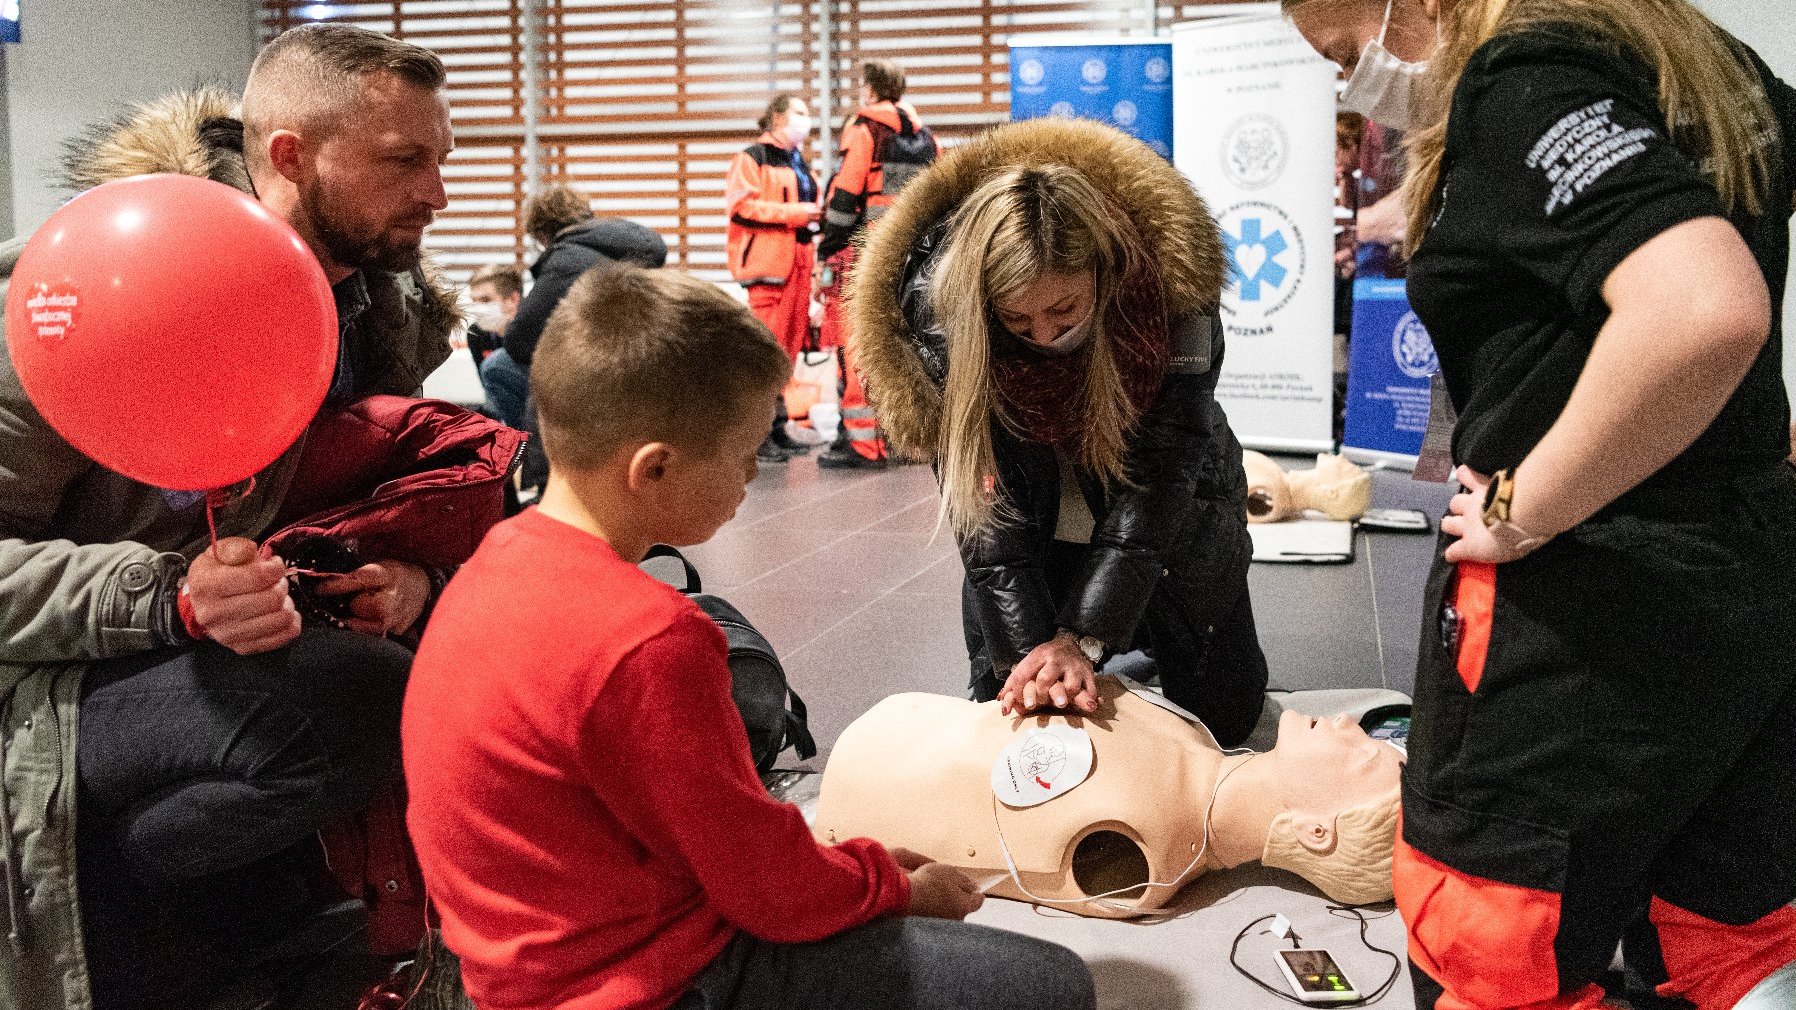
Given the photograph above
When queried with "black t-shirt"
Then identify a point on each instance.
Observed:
(1558, 166)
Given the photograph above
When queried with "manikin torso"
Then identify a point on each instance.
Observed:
(915, 772)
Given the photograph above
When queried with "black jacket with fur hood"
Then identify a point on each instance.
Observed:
(1183, 522)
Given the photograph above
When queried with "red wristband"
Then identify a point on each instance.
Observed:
(184, 607)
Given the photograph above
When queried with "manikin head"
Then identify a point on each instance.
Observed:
(345, 132)
(1336, 487)
(1335, 821)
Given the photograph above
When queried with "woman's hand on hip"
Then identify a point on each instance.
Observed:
(1055, 673)
(1465, 520)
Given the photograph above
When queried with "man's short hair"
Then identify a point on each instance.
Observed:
(309, 77)
(885, 78)
(635, 355)
(506, 280)
(554, 207)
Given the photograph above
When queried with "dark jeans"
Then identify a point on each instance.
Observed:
(907, 963)
(1198, 630)
(204, 777)
(507, 387)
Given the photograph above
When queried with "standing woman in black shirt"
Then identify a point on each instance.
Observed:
(1605, 718)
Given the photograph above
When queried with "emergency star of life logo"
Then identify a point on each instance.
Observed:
(1094, 71)
(1031, 72)
(1254, 150)
(1412, 349)
(1043, 759)
(1265, 262)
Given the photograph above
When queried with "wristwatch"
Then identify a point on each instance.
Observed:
(1092, 648)
(1498, 499)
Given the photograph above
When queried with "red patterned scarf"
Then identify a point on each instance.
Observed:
(1043, 394)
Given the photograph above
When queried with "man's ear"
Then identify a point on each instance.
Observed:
(1315, 832)
(286, 153)
(648, 465)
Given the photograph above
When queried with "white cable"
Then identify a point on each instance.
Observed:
(1178, 881)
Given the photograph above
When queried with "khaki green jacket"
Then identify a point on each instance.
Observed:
(87, 556)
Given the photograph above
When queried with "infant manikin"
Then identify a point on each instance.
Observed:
(1161, 804)
(1336, 488)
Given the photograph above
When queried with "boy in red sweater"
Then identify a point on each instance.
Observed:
(582, 796)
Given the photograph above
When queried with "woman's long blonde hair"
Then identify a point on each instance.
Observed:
(1712, 101)
(1017, 226)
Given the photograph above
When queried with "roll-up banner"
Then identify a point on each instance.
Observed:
(1115, 79)
(1253, 129)
(1387, 376)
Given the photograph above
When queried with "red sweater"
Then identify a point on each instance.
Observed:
(582, 796)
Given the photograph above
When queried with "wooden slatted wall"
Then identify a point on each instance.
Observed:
(645, 101)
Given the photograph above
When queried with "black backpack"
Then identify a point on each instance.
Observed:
(771, 711)
(902, 154)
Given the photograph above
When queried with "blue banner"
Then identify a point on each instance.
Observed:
(1387, 371)
(1125, 84)
(9, 20)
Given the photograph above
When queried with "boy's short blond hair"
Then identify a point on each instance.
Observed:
(635, 355)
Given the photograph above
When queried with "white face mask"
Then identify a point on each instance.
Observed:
(798, 127)
(1067, 342)
(1384, 88)
(489, 316)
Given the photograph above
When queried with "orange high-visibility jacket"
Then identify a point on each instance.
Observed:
(864, 187)
(767, 218)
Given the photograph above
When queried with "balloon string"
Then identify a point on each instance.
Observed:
(216, 499)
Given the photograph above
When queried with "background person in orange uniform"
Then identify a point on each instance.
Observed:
(883, 147)
(771, 197)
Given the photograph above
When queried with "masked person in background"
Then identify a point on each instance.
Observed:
(1605, 718)
(771, 197)
(496, 292)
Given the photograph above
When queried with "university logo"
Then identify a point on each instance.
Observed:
(1254, 151)
(1412, 349)
(1124, 113)
(1062, 109)
(1094, 71)
(1158, 70)
(1265, 251)
(1031, 73)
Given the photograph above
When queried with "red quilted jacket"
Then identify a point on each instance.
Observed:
(406, 480)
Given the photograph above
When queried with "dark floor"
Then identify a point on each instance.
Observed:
(846, 575)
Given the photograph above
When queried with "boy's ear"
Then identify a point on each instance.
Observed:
(648, 464)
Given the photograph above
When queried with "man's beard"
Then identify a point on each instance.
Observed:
(349, 245)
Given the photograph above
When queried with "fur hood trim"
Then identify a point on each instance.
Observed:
(198, 133)
(1173, 221)
(187, 133)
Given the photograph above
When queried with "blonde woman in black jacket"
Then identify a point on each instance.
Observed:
(1038, 313)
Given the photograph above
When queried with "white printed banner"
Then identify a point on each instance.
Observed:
(1253, 129)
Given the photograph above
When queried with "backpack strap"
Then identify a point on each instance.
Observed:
(905, 126)
(798, 731)
(693, 583)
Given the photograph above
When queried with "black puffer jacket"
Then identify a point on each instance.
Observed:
(575, 250)
(1184, 518)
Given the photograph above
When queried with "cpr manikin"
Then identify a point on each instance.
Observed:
(1336, 488)
(1162, 803)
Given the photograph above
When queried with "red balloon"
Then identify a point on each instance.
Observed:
(173, 329)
